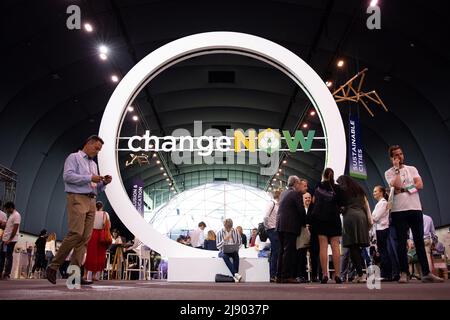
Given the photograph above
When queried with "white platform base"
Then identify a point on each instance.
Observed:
(205, 269)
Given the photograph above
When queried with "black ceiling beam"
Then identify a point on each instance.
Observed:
(132, 52)
(312, 50)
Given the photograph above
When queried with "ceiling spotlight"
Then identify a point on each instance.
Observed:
(88, 27)
(154, 155)
(167, 179)
(278, 173)
(329, 83)
(158, 162)
(135, 118)
(279, 170)
(274, 179)
(284, 161)
(103, 49)
(305, 125)
(312, 113)
(164, 174)
(161, 168)
(130, 109)
(114, 78)
(270, 189)
(340, 63)
(103, 56)
(172, 188)
(373, 3)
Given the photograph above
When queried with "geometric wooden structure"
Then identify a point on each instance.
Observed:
(348, 92)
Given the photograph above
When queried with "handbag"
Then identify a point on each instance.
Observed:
(304, 239)
(223, 278)
(105, 234)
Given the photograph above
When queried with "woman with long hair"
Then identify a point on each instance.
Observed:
(327, 222)
(210, 241)
(50, 248)
(96, 250)
(243, 236)
(380, 216)
(357, 222)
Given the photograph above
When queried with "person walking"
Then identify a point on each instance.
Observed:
(96, 248)
(82, 185)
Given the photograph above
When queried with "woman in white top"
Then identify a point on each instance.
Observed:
(50, 248)
(96, 249)
(380, 216)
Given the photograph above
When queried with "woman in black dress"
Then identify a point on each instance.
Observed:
(327, 222)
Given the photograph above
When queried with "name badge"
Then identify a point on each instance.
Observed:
(412, 189)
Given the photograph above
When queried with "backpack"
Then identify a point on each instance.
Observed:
(223, 278)
(262, 232)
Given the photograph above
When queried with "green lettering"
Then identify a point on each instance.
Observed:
(299, 138)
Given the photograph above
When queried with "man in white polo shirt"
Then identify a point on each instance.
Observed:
(9, 240)
(407, 212)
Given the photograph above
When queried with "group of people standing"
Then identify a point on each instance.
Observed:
(295, 212)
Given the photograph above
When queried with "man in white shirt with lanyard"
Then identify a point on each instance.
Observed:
(82, 184)
(407, 212)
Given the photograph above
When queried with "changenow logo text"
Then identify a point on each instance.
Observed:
(237, 146)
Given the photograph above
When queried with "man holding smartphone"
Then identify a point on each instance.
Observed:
(82, 185)
(406, 212)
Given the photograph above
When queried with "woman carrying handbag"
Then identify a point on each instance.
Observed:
(100, 241)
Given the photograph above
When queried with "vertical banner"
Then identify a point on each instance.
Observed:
(357, 166)
(137, 195)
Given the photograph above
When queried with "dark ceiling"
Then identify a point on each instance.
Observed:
(54, 87)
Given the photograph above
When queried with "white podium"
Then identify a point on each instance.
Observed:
(205, 269)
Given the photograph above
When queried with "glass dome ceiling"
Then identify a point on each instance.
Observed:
(211, 203)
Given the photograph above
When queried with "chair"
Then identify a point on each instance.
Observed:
(116, 268)
(129, 267)
(108, 266)
(158, 272)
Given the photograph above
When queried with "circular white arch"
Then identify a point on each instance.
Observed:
(200, 44)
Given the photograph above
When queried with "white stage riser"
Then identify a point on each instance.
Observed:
(205, 269)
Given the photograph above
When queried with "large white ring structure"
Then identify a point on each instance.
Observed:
(185, 48)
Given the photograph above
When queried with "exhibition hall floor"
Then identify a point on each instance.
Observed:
(162, 290)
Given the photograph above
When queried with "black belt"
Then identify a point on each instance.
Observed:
(90, 195)
(401, 190)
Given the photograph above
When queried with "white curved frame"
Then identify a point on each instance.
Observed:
(185, 48)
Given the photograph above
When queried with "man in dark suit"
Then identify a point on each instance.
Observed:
(291, 217)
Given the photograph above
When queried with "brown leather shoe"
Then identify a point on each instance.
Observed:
(51, 275)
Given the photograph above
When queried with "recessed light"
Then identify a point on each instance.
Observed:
(88, 27)
(103, 49)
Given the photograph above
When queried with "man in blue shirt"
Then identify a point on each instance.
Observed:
(82, 184)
